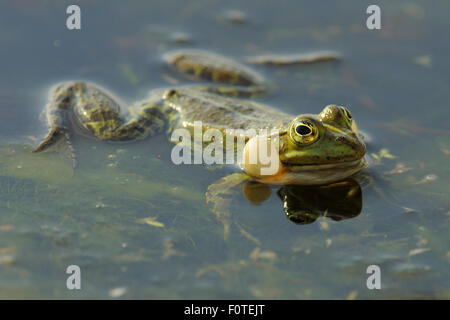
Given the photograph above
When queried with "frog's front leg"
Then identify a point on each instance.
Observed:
(221, 193)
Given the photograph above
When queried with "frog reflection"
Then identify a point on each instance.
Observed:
(304, 204)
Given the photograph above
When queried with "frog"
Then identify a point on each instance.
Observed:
(312, 149)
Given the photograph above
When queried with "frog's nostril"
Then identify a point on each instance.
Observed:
(169, 93)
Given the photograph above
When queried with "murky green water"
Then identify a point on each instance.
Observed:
(133, 220)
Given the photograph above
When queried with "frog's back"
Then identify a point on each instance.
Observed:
(220, 112)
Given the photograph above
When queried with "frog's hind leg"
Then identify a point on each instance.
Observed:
(151, 118)
(56, 111)
(236, 91)
(53, 136)
(241, 81)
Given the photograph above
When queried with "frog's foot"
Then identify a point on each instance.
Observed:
(62, 99)
(290, 59)
(54, 136)
(221, 194)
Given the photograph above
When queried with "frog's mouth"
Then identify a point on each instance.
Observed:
(318, 167)
(317, 174)
(311, 174)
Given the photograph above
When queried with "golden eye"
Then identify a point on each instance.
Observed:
(347, 113)
(303, 132)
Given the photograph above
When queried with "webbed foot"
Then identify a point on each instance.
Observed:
(220, 194)
(55, 135)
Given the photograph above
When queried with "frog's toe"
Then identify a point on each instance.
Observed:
(53, 136)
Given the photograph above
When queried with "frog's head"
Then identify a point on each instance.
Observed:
(317, 149)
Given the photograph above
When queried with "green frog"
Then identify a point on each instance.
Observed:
(313, 149)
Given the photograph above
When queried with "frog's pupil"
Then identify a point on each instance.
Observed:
(303, 129)
(347, 113)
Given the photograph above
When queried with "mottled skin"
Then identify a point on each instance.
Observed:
(314, 149)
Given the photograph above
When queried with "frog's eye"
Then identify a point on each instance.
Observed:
(347, 113)
(303, 132)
